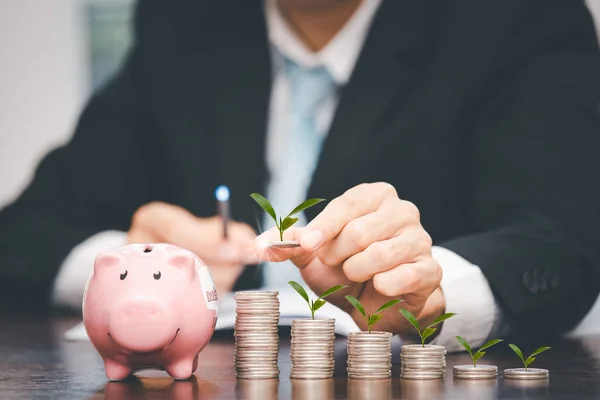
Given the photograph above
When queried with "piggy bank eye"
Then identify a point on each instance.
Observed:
(157, 276)
(124, 275)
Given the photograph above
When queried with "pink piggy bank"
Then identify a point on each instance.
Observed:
(149, 306)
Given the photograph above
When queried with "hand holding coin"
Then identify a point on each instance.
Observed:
(373, 242)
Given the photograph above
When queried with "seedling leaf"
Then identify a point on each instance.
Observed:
(387, 305)
(374, 318)
(518, 351)
(538, 351)
(477, 356)
(464, 343)
(307, 204)
(490, 344)
(411, 318)
(298, 288)
(441, 318)
(318, 304)
(264, 203)
(332, 290)
(529, 361)
(354, 301)
(427, 332)
(288, 222)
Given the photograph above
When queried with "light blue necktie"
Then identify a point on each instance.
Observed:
(288, 186)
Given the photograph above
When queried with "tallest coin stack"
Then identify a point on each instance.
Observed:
(257, 334)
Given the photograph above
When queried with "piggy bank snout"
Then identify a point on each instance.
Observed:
(141, 325)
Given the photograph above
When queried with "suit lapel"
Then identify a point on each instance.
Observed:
(384, 74)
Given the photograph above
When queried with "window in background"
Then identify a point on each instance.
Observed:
(109, 23)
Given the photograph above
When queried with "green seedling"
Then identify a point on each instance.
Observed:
(314, 305)
(531, 358)
(376, 316)
(480, 353)
(284, 223)
(429, 329)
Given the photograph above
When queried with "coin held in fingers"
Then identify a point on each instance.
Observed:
(285, 244)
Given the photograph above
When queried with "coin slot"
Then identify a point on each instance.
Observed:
(148, 249)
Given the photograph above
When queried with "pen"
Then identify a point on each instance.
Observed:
(222, 195)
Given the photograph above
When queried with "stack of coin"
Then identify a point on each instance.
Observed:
(420, 362)
(522, 374)
(475, 373)
(369, 355)
(313, 342)
(257, 334)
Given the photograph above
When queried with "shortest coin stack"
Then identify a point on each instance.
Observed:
(475, 373)
(420, 362)
(369, 355)
(526, 375)
(256, 334)
(313, 342)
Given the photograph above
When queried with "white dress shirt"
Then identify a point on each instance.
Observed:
(465, 288)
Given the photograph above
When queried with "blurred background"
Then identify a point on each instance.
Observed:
(53, 55)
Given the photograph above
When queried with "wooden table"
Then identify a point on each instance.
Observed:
(36, 362)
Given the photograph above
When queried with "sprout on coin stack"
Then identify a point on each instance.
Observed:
(423, 361)
(370, 352)
(526, 373)
(475, 372)
(284, 224)
(313, 340)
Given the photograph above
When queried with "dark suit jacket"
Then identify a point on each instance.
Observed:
(482, 113)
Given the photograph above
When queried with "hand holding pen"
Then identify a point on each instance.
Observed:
(167, 223)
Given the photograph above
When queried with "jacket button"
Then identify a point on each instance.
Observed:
(530, 282)
(543, 279)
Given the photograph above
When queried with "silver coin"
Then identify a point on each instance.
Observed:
(428, 349)
(369, 337)
(256, 293)
(421, 375)
(262, 375)
(244, 314)
(529, 374)
(256, 356)
(310, 321)
(378, 352)
(357, 356)
(252, 330)
(478, 372)
(312, 350)
(314, 373)
(313, 368)
(258, 341)
(311, 376)
(369, 376)
(286, 244)
(242, 305)
(310, 334)
(320, 330)
(256, 332)
(257, 317)
(267, 365)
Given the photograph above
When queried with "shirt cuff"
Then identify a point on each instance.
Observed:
(467, 294)
(75, 270)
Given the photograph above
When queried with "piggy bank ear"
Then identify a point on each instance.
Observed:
(106, 260)
(185, 262)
